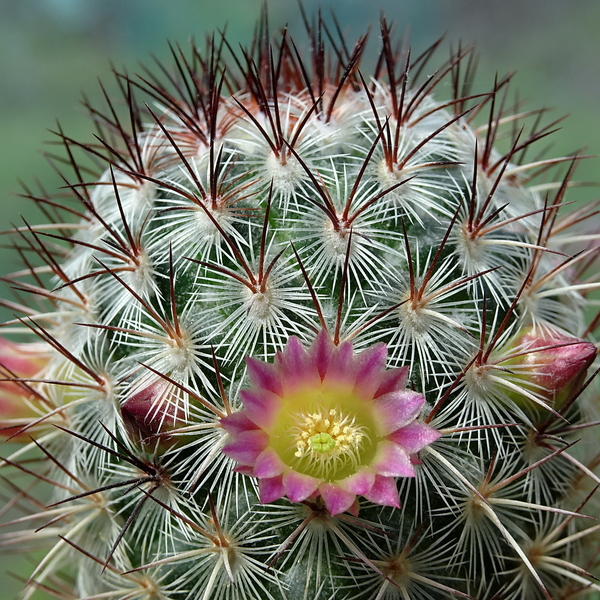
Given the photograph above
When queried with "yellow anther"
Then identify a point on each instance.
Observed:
(327, 440)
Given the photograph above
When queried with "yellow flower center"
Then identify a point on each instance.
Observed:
(327, 440)
(325, 431)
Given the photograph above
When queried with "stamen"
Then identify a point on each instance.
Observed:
(327, 441)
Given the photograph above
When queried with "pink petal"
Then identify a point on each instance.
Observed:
(299, 487)
(395, 410)
(236, 423)
(268, 464)
(246, 446)
(415, 436)
(392, 460)
(321, 352)
(384, 492)
(370, 365)
(392, 381)
(336, 499)
(359, 483)
(297, 367)
(264, 375)
(341, 369)
(270, 489)
(261, 406)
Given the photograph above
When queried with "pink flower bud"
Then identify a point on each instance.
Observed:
(19, 363)
(553, 363)
(153, 412)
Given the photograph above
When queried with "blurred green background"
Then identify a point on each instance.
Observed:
(52, 50)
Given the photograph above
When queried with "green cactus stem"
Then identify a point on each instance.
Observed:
(310, 331)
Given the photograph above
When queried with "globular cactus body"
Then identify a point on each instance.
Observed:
(308, 333)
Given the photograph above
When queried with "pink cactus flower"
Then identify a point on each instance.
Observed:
(326, 421)
(18, 362)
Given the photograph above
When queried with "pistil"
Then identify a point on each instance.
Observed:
(327, 440)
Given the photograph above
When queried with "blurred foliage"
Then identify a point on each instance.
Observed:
(51, 50)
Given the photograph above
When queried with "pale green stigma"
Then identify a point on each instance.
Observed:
(322, 442)
(326, 440)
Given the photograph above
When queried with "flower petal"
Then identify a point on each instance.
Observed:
(392, 460)
(264, 375)
(384, 492)
(246, 446)
(396, 409)
(236, 423)
(268, 464)
(336, 499)
(297, 367)
(359, 483)
(271, 489)
(261, 406)
(370, 365)
(415, 436)
(392, 380)
(321, 352)
(299, 487)
(341, 369)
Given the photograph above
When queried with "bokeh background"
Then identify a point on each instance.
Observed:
(53, 50)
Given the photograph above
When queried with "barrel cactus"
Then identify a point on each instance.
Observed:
(302, 329)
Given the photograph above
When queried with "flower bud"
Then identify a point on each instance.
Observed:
(152, 413)
(18, 362)
(552, 363)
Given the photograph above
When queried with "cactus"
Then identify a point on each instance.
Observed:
(300, 330)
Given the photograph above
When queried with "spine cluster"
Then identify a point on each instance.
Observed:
(299, 329)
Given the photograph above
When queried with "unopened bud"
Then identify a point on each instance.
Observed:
(552, 363)
(19, 363)
(153, 412)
